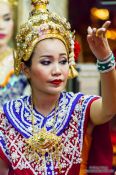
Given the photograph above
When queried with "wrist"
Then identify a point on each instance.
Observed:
(107, 64)
(106, 57)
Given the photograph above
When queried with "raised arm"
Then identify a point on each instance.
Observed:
(103, 109)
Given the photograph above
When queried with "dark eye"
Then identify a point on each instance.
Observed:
(64, 61)
(7, 18)
(45, 62)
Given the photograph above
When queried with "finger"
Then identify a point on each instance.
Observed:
(101, 32)
(94, 31)
(89, 30)
(90, 40)
(106, 24)
(95, 35)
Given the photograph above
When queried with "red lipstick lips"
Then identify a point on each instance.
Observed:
(2, 36)
(56, 82)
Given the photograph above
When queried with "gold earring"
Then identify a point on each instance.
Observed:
(72, 72)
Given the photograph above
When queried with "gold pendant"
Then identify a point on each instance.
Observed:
(45, 142)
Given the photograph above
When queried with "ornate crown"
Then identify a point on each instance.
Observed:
(42, 24)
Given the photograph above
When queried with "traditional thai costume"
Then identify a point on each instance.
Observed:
(72, 115)
(30, 143)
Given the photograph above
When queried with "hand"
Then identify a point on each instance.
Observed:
(98, 42)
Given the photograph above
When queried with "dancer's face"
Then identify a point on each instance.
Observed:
(6, 23)
(49, 70)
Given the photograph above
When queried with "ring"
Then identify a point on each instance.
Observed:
(99, 35)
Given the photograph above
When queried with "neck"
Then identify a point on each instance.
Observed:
(44, 103)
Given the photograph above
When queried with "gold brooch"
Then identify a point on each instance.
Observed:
(43, 142)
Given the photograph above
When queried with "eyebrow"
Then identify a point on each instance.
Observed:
(7, 15)
(49, 56)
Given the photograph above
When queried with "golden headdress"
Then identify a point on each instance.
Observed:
(42, 24)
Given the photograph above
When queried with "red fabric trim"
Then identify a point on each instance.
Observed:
(101, 152)
(87, 114)
(22, 172)
(11, 172)
(74, 170)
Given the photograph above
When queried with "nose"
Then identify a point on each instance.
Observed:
(56, 71)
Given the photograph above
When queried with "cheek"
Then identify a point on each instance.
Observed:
(66, 71)
(9, 29)
(38, 73)
(35, 73)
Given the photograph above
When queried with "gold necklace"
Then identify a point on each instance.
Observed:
(43, 142)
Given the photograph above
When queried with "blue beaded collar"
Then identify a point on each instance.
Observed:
(19, 114)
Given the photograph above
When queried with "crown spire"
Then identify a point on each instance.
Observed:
(40, 5)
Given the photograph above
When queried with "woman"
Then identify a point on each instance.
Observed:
(10, 85)
(43, 133)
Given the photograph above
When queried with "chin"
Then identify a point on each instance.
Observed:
(55, 91)
(3, 42)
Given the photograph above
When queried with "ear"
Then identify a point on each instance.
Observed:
(25, 70)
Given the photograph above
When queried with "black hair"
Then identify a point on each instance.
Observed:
(29, 62)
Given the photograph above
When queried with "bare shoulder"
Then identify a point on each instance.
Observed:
(95, 111)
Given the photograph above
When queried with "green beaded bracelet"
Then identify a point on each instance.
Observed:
(107, 65)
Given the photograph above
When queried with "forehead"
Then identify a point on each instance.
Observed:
(51, 45)
(4, 8)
